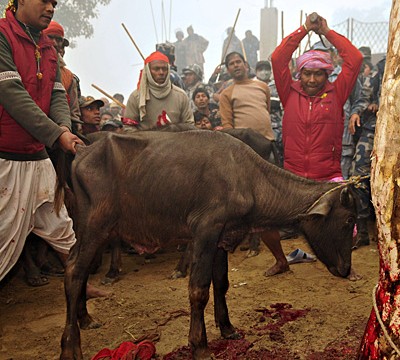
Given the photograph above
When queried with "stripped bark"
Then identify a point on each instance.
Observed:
(382, 335)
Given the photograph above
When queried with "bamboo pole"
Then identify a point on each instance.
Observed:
(301, 23)
(137, 48)
(109, 96)
(308, 44)
(243, 51)
(230, 38)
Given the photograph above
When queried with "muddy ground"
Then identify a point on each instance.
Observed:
(303, 314)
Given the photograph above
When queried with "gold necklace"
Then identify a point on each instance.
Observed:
(38, 56)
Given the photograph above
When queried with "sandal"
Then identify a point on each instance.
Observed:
(299, 256)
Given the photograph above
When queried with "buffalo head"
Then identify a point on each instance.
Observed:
(328, 226)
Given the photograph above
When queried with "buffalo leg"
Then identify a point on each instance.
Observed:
(204, 249)
(116, 262)
(75, 281)
(273, 241)
(184, 262)
(220, 286)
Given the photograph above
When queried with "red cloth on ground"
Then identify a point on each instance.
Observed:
(128, 350)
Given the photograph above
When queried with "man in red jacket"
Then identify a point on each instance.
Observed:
(312, 124)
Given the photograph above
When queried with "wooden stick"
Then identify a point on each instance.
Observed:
(137, 48)
(282, 25)
(301, 23)
(230, 38)
(243, 50)
(109, 96)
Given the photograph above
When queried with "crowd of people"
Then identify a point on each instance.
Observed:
(320, 114)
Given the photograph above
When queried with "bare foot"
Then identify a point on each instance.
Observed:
(278, 268)
(353, 276)
(93, 292)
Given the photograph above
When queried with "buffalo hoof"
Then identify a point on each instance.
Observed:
(203, 354)
(177, 275)
(88, 323)
(252, 253)
(109, 280)
(234, 336)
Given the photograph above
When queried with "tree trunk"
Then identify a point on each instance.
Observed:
(382, 335)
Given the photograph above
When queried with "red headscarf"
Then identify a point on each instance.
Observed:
(156, 55)
(315, 59)
(54, 29)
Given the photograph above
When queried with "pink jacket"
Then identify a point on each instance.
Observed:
(312, 127)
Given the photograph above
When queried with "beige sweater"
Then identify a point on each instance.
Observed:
(246, 104)
(176, 105)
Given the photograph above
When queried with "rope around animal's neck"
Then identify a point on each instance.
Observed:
(383, 327)
(354, 180)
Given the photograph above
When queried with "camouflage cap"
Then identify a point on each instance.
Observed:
(195, 69)
(85, 101)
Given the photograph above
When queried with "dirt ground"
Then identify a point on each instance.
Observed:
(303, 314)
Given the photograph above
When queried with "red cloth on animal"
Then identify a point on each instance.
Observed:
(145, 350)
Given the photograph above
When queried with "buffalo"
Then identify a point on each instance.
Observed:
(149, 188)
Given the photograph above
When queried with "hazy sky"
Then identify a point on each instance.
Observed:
(110, 60)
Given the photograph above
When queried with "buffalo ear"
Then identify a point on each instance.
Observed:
(322, 207)
(346, 199)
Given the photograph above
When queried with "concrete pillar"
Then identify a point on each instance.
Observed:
(268, 31)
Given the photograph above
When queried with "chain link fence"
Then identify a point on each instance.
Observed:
(372, 34)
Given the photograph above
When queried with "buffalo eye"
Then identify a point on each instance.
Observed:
(350, 220)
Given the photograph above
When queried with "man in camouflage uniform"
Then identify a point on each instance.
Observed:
(364, 117)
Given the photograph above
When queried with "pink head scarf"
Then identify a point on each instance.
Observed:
(315, 59)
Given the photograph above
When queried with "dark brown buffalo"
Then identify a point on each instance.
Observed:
(151, 187)
(250, 137)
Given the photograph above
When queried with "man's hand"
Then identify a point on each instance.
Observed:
(353, 121)
(320, 26)
(373, 107)
(67, 141)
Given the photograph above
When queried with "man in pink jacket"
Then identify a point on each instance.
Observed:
(312, 124)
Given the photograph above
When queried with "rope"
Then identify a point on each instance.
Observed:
(378, 317)
(354, 180)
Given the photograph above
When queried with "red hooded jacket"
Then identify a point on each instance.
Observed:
(312, 127)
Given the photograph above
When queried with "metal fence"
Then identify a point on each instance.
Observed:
(372, 34)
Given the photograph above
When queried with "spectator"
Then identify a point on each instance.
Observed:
(201, 99)
(156, 101)
(90, 114)
(193, 79)
(195, 46)
(180, 51)
(56, 33)
(115, 110)
(234, 45)
(263, 73)
(169, 51)
(364, 117)
(105, 116)
(251, 46)
(113, 126)
(312, 123)
(245, 104)
(119, 97)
